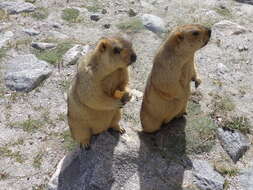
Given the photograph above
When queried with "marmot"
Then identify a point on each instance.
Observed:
(168, 86)
(99, 89)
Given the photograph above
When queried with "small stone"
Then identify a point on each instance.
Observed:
(132, 13)
(107, 26)
(5, 38)
(42, 45)
(243, 48)
(95, 17)
(13, 7)
(206, 178)
(31, 32)
(72, 55)
(26, 72)
(56, 25)
(233, 142)
(104, 11)
(153, 23)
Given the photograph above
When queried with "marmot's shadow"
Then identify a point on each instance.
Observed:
(164, 158)
(92, 169)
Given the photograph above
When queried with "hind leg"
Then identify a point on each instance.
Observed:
(81, 135)
(149, 123)
(115, 123)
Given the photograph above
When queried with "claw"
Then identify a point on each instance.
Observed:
(122, 131)
(85, 146)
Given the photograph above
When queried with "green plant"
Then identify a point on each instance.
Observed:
(37, 160)
(70, 14)
(53, 56)
(238, 123)
(6, 152)
(69, 143)
(40, 13)
(3, 175)
(133, 24)
(29, 125)
(2, 53)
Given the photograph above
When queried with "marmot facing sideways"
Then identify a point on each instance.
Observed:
(168, 86)
(93, 98)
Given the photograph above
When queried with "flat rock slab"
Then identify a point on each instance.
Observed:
(153, 23)
(5, 38)
(206, 178)
(112, 163)
(233, 142)
(13, 7)
(26, 72)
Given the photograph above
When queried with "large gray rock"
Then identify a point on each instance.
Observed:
(115, 163)
(5, 38)
(233, 142)
(206, 178)
(246, 179)
(72, 55)
(26, 72)
(13, 7)
(153, 23)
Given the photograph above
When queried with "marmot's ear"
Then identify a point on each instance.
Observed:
(179, 36)
(102, 45)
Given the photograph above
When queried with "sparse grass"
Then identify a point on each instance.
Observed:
(20, 43)
(65, 84)
(30, 1)
(3, 15)
(94, 6)
(223, 104)
(2, 53)
(62, 117)
(6, 152)
(226, 169)
(133, 24)
(3, 175)
(238, 123)
(53, 56)
(29, 125)
(37, 160)
(224, 12)
(226, 185)
(20, 141)
(40, 13)
(39, 187)
(70, 14)
(69, 143)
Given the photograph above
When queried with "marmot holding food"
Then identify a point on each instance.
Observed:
(99, 89)
(168, 86)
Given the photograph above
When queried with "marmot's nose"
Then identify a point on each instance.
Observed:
(133, 58)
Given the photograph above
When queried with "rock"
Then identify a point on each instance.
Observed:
(17, 7)
(153, 23)
(246, 179)
(227, 27)
(221, 69)
(5, 38)
(107, 26)
(131, 13)
(115, 163)
(104, 11)
(246, 1)
(95, 17)
(42, 45)
(233, 142)
(26, 72)
(206, 178)
(58, 35)
(72, 55)
(32, 32)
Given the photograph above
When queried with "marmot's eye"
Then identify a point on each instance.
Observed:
(195, 33)
(117, 50)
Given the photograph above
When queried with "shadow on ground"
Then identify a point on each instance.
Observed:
(166, 161)
(245, 1)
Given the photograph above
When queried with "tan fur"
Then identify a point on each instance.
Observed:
(92, 107)
(168, 86)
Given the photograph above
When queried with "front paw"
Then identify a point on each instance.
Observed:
(126, 97)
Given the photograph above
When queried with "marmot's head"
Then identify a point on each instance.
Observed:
(116, 52)
(190, 37)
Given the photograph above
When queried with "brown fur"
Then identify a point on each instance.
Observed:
(92, 107)
(168, 86)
